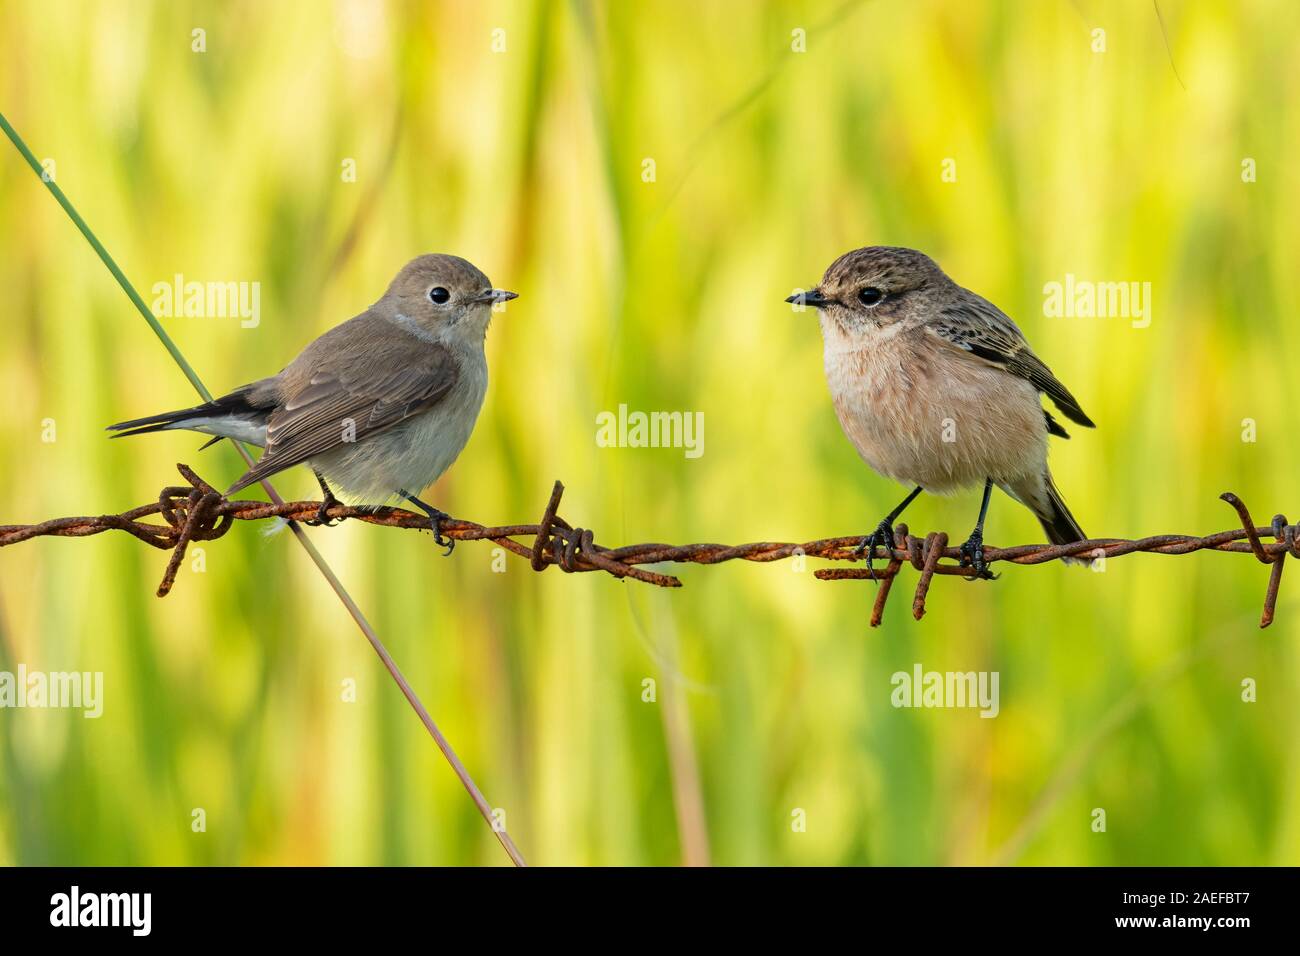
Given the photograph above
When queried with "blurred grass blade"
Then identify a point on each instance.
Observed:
(108, 261)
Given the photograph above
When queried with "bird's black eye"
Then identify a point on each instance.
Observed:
(439, 295)
(870, 296)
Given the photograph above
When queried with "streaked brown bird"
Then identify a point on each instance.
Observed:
(937, 388)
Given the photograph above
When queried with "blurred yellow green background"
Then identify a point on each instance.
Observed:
(517, 135)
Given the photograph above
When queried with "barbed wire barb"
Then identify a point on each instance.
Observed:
(198, 512)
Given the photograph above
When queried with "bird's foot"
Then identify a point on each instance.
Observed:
(436, 518)
(972, 555)
(322, 519)
(883, 536)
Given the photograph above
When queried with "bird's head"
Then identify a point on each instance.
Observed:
(446, 296)
(869, 289)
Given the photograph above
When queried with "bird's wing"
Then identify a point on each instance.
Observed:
(339, 404)
(983, 332)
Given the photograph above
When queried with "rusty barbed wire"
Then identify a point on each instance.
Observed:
(198, 512)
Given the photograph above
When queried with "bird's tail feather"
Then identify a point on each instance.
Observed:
(1057, 521)
(162, 422)
(230, 416)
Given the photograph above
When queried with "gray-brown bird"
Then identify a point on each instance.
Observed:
(937, 388)
(381, 405)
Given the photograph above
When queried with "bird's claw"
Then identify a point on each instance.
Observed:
(972, 555)
(322, 519)
(436, 518)
(884, 536)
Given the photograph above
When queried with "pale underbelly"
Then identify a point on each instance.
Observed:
(408, 457)
(943, 424)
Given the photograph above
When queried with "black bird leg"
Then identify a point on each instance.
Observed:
(972, 552)
(436, 519)
(884, 533)
(328, 501)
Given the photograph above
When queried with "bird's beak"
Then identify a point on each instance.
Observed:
(813, 297)
(497, 295)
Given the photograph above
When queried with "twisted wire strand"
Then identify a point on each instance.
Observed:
(198, 512)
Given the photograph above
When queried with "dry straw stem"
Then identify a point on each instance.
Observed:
(198, 512)
(199, 508)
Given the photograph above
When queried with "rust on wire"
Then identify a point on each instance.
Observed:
(198, 512)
